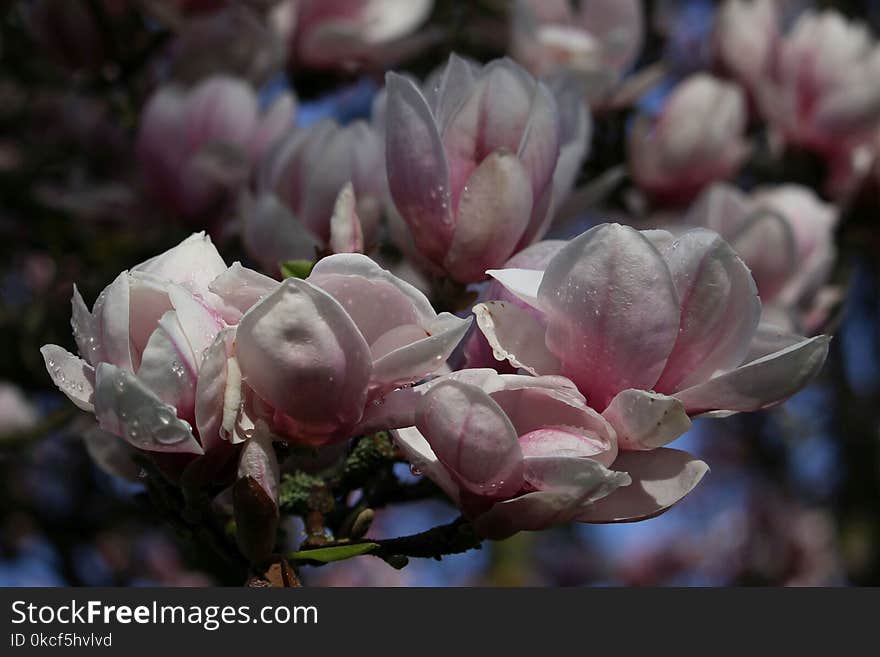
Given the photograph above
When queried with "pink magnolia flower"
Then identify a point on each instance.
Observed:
(197, 146)
(320, 188)
(785, 236)
(471, 163)
(330, 34)
(524, 453)
(823, 87)
(142, 347)
(697, 138)
(746, 33)
(320, 351)
(653, 329)
(596, 43)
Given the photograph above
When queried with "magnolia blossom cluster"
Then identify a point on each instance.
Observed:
(553, 391)
(627, 335)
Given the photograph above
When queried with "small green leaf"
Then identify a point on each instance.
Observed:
(335, 553)
(297, 268)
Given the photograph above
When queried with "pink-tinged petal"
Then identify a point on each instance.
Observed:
(505, 105)
(416, 359)
(550, 472)
(472, 437)
(73, 376)
(111, 453)
(125, 407)
(763, 382)
(168, 366)
(148, 301)
(346, 233)
(272, 234)
(418, 452)
(539, 153)
(571, 484)
(515, 335)
(766, 243)
(211, 390)
(560, 442)
(193, 263)
(85, 329)
(521, 283)
(258, 460)
(660, 478)
(361, 285)
(418, 176)
(720, 309)
(277, 120)
(299, 350)
(547, 416)
(453, 88)
(112, 315)
(612, 311)
(241, 287)
(646, 420)
(493, 212)
(221, 109)
(199, 323)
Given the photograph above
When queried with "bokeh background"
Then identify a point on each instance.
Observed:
(793, 495)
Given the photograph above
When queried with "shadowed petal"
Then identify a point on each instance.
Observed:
(660, 478)
(762, 382)
(73, 376)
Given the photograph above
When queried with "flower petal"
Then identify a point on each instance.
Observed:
(472, 437)
(612, 311)
(241, 287)
(720, 309)
(193, 263)
(418, 452)
(361, 285)
(493, 211)
(660, 478)
(418, 176)
(571, 484)
(85, 329)
(646, 420)
(415, 360)
(516, 335)
(762, 382)
(211, 390)
(125, 407)
(300, 351)
(168, 366)
(522, 283)
(346, 233)
(112, 314)
(73, 376)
